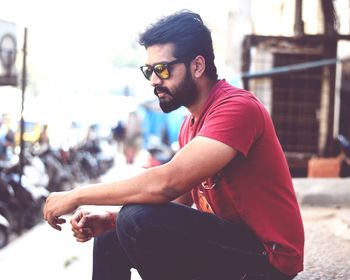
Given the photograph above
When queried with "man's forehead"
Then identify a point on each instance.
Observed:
(160, 53)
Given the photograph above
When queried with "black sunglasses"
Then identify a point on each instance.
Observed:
(162, 69)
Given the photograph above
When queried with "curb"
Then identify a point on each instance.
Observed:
(325, 192)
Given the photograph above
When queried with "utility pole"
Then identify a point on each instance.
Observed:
(298, 18)
(23, 85)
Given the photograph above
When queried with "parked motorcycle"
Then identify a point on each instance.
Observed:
(158, 152)
(22, 199)
(23, 191)
(60, 177)
(344, 144)
(4, 231)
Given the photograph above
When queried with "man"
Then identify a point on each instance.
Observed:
(231, 165)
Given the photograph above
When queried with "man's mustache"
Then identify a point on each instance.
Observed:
(162, 89)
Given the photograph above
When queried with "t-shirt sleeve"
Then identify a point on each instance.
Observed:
(237, 122)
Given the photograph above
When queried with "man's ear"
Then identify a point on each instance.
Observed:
(198, 66)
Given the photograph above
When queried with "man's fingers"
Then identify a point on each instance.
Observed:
(78, 220)
(60, 220)
(55, 223)
(77, 215)
(85, 231)
(82, 235)
(81, 232)
(55, 226)
(82, 222)
(83, 239)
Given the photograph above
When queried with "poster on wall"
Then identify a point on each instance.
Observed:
(8, 52)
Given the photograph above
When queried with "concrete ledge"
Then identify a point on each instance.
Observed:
(344, 216)
(325, 192)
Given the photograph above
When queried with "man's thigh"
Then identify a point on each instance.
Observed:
(179, 240)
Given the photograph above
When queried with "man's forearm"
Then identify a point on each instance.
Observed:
(152, 186)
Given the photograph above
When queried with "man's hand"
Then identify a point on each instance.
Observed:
(86, 225)
(58, 204)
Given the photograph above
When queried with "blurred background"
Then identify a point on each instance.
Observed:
(82, 61)
(75, 108)
(72, 96)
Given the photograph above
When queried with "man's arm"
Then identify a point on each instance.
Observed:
(199, 159)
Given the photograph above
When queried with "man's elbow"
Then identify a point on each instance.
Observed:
(185, 199)
(169, 193)
(169, 187)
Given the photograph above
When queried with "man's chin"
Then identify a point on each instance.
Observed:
(167, 108)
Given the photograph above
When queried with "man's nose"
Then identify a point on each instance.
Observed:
(155, 80)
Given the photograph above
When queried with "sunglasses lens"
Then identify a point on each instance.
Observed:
(147, 71)
(162, 71)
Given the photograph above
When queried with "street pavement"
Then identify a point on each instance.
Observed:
(327, 244)
(325, 206)
(43, 253)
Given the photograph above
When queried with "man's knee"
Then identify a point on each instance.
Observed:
(134, 217)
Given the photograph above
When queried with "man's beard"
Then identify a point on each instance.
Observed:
(183, 95)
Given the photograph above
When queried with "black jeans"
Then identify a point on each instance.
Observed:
(172, 241)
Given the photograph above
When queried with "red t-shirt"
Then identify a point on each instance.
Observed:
(255, 187)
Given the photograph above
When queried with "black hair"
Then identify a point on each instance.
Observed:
(188, 33)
